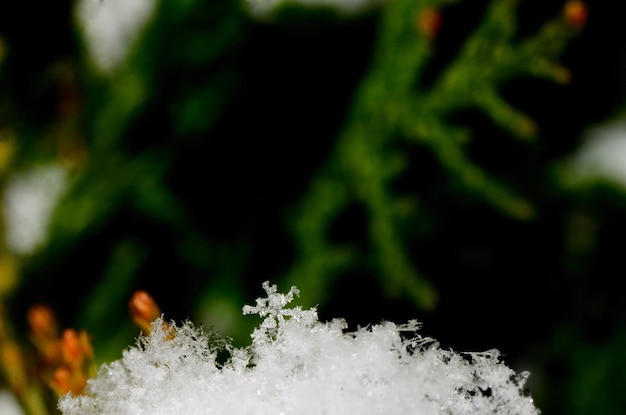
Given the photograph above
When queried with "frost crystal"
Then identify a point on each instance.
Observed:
(299, 365)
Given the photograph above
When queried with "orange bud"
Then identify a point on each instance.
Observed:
(428, 21)
(43, 324)
(62, 381)
(77, 357)
(85, 345)
(143, 310)
(71, 348)
(576, 14)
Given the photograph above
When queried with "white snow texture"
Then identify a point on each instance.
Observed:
(299, 365)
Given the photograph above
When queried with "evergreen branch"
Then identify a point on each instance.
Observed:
(388, 105)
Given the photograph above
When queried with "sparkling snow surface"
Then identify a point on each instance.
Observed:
(299, 365)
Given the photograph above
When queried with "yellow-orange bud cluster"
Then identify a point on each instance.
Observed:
(66, 360)
(77, 362)
(42, 322)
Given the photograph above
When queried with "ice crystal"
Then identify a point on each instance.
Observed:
(299, 365)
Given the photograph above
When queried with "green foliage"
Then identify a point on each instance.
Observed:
(179, 84)
(393, 106)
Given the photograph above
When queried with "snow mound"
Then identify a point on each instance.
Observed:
(299, 365)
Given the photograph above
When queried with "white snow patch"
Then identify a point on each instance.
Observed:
(299, 365)
(8, 404)
(29, 200)
(111, 28)
(603, 154)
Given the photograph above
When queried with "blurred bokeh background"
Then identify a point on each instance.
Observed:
(460, 163)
